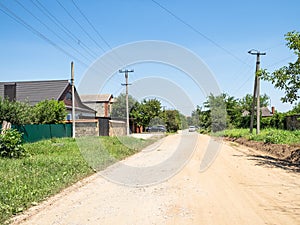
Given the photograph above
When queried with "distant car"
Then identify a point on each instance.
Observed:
(192, 128)
(158, 128)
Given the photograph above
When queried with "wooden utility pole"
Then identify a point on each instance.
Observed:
(256, 92)
(127, 107)
(73, 100)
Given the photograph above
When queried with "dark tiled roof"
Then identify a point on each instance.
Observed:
(36, 91)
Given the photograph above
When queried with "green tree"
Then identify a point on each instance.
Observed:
(119, 106)
(183, 122)
(172, 120)
(296, 109)
(246, 102)
(146, 111)
(287, 78)
(217, 107)
(49, 111)
(194, 119)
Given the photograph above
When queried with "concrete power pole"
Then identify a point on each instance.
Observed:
(73, 100)
(256, 92)
(127, 107)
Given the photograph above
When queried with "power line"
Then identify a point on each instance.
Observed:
(19, 20)
(282, 60)
(50, 16)
(82, 28)
(52, 31)
(198, 32)
(274, 46)
(96, 31)
(89, 22)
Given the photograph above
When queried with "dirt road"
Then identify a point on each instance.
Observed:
(240, 187)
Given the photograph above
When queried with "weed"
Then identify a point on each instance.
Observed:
(51, 166)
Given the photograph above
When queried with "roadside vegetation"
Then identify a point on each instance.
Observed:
(48, 166)
(149, 113)
(272, 136)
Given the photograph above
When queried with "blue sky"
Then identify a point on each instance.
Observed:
(223, 33)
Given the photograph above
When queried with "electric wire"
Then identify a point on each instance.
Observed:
(89, 22)
(63, 28)
(95, 30)
(198, 32)
(19, 20)
(82, 28)
(52, 31)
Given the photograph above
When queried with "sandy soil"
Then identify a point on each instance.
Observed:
(242, 186)
(289, 153)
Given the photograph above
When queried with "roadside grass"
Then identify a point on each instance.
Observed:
(273, 136)
(52, 165)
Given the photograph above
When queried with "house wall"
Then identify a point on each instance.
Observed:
(102, 108)
(117, 128)
(292, 122)
(98, 107)
(87, 128)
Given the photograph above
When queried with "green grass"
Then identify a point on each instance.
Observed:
(53, 165)
(273, 136)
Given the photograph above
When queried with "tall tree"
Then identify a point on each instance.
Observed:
(119, 106)
(287, 78)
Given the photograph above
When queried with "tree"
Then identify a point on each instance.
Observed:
(172, 120)
(218, 113)
(296, 109)
(246, 102)
(183, 122)
(287, 78)
(146, 111)
(49, 111)
(119, 106)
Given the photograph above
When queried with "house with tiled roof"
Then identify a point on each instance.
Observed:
(265, 112)
(101, 103)
(36, 91)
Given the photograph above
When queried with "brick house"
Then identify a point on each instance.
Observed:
(101, 103)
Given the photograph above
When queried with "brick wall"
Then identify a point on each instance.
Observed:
(117, 128)
(86, 128)
(292, 122)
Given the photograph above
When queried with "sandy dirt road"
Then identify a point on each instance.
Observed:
(240, 187)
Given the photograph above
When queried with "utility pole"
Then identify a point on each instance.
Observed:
(127, 107)
(73, 100)
(256, 92)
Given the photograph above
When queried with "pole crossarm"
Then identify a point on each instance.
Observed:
(256, 92)
(127, 109)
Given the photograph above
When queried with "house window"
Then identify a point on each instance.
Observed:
(10, 92)
(69, 96)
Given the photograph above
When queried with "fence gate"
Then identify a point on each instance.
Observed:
(104, 126)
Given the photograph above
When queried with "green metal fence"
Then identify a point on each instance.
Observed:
(36, 132)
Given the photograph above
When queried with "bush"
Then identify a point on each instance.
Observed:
(17, 113)
(11, 144)
(49, 112)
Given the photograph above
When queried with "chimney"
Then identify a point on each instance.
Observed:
(273, 110)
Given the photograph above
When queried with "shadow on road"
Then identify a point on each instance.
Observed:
(269, 161)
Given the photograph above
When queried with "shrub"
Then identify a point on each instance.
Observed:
(11, 144)
(17, 113)
(49, 111)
